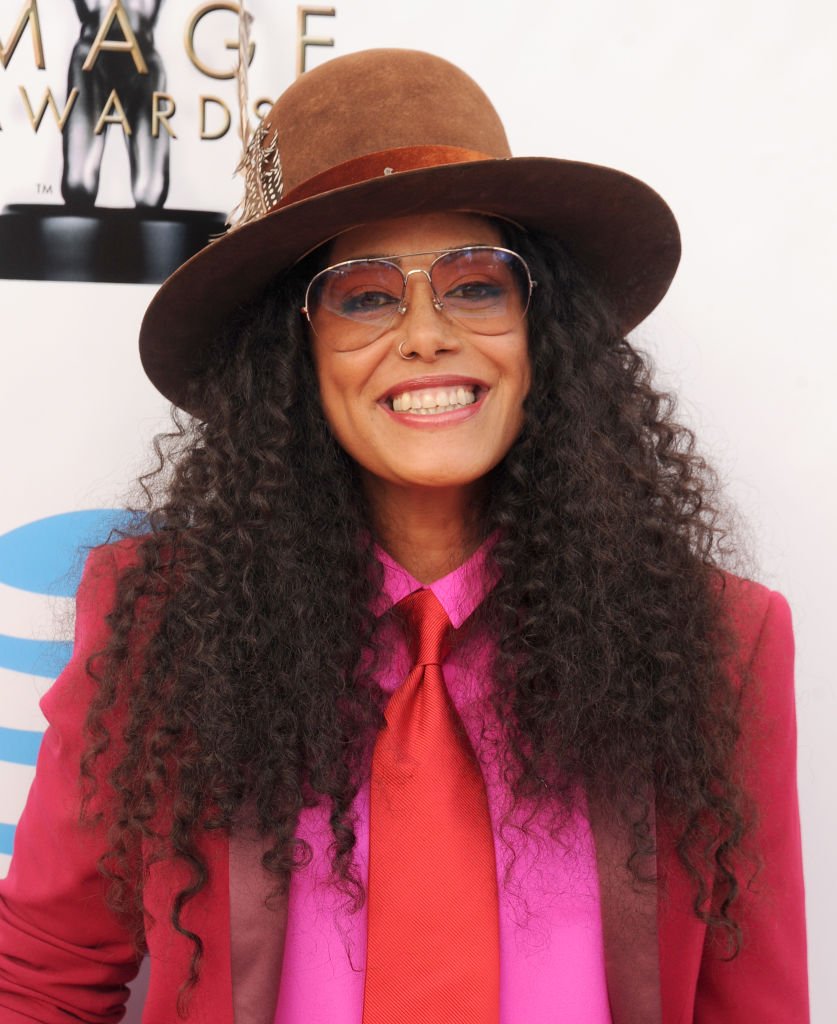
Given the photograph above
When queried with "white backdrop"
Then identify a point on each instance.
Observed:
(725, 107)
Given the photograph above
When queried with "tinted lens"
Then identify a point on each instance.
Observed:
(488, 288)
(363, 294)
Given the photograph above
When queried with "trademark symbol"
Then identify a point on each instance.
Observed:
(43, 190)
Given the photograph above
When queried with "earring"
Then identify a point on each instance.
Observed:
(401, 351)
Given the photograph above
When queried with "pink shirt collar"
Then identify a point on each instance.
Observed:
(459, 593)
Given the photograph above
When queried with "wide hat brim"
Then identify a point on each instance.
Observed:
(616, 227)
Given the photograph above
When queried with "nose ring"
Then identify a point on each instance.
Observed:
(401, 351)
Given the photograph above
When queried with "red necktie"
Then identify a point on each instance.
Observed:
(433, 951)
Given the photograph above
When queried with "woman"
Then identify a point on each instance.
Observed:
(425, 698)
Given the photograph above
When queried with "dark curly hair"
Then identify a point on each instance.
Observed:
(241, 662)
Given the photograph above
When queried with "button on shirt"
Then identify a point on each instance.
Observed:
(551, 952)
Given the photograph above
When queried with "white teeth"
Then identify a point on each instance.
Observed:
(432, 402)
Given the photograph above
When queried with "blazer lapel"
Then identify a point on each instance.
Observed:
(257, 932)
(629, 927)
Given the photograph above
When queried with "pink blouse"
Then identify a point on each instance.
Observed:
(551, 951)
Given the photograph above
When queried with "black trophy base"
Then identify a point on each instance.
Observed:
(118, 246)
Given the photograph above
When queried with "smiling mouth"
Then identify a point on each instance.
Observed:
(433, 401)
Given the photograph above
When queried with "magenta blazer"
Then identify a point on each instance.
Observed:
(63, 953)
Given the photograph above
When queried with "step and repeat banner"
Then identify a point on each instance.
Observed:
(119, 135)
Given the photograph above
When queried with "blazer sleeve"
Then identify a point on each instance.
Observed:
(63, 954)
(768, 980)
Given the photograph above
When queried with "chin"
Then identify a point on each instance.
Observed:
(434, 477)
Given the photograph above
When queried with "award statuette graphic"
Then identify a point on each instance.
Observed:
(115, 74)
(136, 82)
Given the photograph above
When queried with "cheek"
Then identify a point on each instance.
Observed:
(331, 381)
(521, 374)
(335, 412)
(521, 382)
(343, 399)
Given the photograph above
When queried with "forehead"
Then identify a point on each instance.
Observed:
(420, 233)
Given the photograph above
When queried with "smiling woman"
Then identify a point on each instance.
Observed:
(424, 696)
(435, 428)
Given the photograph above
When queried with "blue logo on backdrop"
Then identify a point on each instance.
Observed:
(44, 557)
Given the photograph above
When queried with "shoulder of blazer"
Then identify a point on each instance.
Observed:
(745, 604)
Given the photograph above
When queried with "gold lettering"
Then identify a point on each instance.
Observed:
(303, 39)
(28, 14)
(161, 117)
(229, 44)
(205, 134)
(261, 107)
(48, 101)
(119, 117)
(127, 45)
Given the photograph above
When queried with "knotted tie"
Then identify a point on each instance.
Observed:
(433, 953)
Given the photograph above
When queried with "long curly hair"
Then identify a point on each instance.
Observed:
(241, 665)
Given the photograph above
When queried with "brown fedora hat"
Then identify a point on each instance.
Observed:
(386, 133)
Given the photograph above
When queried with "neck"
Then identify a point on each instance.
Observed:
(430, 531)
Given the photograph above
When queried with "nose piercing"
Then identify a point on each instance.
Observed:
(401, 351)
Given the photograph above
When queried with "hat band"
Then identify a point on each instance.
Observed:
(377, 165)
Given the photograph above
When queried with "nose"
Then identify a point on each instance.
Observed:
(423, 329)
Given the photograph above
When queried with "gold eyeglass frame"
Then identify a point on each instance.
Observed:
(438, 304)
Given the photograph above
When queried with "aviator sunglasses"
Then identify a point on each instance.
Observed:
(486, 288)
